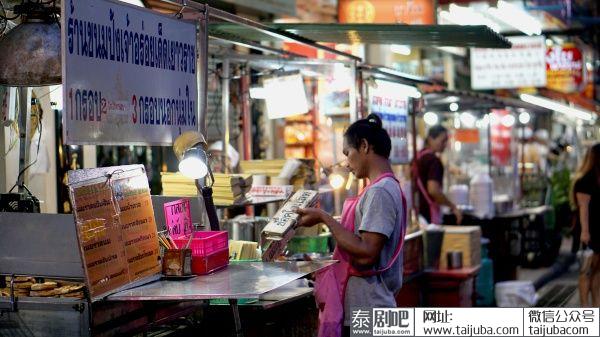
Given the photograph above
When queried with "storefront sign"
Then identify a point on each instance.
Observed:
(387, 101)
(129, 74)
(523, 65)
(412, 12)
(501, 139)
(178, 218)
(564, 69)
(116, 229)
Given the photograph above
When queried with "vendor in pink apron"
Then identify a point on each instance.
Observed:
(428, 171)
(369, 237)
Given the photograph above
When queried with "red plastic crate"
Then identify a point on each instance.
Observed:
(210, 250)
(207, 264)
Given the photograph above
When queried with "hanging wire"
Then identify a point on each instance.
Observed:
(4, 16)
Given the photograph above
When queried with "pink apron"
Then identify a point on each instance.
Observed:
(330, 285)
(435, 214)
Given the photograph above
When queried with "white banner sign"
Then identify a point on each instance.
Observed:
(390, 102)
(129, 74)
(523, 65)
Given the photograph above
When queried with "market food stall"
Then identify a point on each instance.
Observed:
(484, 175)
(115, 246)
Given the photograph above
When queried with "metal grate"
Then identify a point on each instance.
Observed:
(557, 296)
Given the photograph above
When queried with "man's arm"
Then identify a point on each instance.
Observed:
(583, 202)
(434, 188)
(364, 249)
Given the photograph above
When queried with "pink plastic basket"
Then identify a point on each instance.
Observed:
(205, 243)
(210, 251)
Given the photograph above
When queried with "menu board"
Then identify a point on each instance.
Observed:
(115, 227)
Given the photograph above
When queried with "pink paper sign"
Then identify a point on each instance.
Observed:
(178, 218)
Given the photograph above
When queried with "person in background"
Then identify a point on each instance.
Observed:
(586, 194)
(369, 238)
(428, 171)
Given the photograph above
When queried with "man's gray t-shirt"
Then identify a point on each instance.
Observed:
(379, 211)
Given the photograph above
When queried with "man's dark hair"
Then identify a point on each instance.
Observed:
(370, 129)
(435, 131)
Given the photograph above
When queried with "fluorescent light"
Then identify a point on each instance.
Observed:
(516, 17)
(453, 107)
(524, 117)
(553, 105)
(431, 118)
(466, 16)
(400, 49)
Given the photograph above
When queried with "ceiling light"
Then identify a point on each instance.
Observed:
(508, 120)
(467, 119)
(453, 107)
(524, 117)
(336, 181)
(516, 17)
(430, 118)
(555, 106)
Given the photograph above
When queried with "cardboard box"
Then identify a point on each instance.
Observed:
(466, 239)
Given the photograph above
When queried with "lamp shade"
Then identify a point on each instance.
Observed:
(31, 55)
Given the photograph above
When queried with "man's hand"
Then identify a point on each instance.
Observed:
(311, 216)
(458, 214)
(585, 237)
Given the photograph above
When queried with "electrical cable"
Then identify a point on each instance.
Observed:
(37, 155)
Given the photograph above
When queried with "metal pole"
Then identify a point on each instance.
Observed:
(24, 118)
(246, 114)
(414, 189)
(202, 70)
(354, 113)
(225, 110)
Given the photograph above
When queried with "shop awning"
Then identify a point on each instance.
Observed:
(438, 99)
(414, 35)
(388, 74)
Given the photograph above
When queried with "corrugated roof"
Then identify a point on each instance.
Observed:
(414, 35)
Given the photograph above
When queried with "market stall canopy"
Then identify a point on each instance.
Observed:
(392, 75)
(414, 35)
(438, 99)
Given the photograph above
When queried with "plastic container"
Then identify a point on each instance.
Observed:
(210, 251)
(485, 280)
(309, 244)
(481, 191)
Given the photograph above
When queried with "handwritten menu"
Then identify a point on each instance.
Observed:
(116, 229)
(178, 218)
(139, 227)
(100, 237)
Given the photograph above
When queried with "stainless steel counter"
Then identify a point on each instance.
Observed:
(238, 280)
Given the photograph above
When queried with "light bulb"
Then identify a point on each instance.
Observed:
(193, 167)
(336, 181)
(524, 117)
(430, 118)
